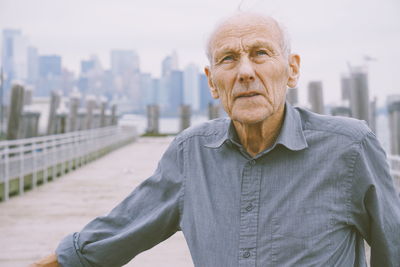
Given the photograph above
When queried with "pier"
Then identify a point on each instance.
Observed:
(31, 225)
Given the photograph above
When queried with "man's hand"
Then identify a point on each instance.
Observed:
(49, 261)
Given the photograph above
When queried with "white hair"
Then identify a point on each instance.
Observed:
(285, 38)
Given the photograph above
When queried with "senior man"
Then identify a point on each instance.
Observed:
(272, 185)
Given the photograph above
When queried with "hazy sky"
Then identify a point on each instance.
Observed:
(326, 34)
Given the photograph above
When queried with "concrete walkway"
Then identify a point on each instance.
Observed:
(32, 225)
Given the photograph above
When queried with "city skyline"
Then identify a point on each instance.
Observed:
(326, 35)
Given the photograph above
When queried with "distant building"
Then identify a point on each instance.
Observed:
(146, 86)
(292, 96)
(394, 125)
(126, 74)
(175, 91)
(372, 115)
(169, 64)
(359, 95)
(315, 97)
(345, 83)
(50, 75)
(49, 66)
(14, 57)
(33, 65)
(191, 94)
(123, 61)
(87, 65)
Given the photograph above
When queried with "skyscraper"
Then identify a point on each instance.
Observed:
(191, 95)
(126, 72)
(147, 89)
(315, 97)
(123, 61)
(394, 125)
(169, 64)
(49, 66)
(345, 83)
(14, 57)
(33, 65)
(176, 91)
(359, 95)
(50, 75)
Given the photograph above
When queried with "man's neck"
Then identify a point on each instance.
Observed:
(257, 137)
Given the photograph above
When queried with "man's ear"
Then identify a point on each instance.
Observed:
(213, 89)
(294, 70)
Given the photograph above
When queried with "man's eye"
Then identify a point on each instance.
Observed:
(261, 53)
(228, 58)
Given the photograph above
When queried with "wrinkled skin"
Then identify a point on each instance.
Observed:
(249, 73)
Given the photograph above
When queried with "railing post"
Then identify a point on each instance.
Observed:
(6, 173)
(45, 160)
(55, 157)
(34, 165)
(63, 152)
(21, 169)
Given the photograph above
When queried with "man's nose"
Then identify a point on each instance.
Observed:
(246, 71)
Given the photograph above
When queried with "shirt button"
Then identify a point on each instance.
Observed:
(252, 162)
(246, 254)
(249, 207)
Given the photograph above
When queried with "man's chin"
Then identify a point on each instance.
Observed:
(250, 117)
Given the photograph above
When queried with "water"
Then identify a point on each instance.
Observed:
(167, 125)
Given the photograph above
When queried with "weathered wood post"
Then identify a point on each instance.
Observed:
(185, 114)
(153, 113)
(28, 96)
(74, 103)
(213, 111)
(90, 107)
(54, 104)
(61, 122)
(114, 118)
(16, 105)
(103, 109)
(81, 122)
(30, 123)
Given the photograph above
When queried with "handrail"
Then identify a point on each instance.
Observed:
(35, 160)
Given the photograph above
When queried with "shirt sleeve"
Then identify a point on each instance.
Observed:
(376, 205)
(149, 215)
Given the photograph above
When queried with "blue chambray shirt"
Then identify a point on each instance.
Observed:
(309, 200)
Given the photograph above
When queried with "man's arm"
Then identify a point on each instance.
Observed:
(49, 261)
(376, 204)
(149, 215)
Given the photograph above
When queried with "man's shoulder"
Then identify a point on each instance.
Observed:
(350, 128)
(209, 128)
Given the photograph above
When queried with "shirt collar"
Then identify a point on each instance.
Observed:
(291, 135)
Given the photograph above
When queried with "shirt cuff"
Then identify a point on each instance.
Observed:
(68, 254)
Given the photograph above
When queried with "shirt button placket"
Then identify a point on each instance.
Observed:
(249, 199)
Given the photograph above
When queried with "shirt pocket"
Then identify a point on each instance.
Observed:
(299, 238)
(305, 223)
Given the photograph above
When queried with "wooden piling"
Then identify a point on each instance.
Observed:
(16, 105)
(54, 104)
(153, 113)
(185, 114)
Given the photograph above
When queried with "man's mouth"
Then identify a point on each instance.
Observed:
(247, 94)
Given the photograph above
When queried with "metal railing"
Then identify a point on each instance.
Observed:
(25, 163)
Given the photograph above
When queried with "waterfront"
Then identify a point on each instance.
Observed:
(32, 225)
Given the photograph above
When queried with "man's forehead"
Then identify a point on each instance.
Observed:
(246, 28)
